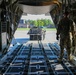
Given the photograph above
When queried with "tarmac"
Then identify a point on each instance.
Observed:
(22, 37)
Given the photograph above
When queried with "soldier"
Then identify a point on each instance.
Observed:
(74, 52)
(44, 34)
(65, 26)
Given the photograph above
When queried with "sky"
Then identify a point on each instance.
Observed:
(35, 17)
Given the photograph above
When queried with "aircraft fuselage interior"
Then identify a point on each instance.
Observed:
(10, 14)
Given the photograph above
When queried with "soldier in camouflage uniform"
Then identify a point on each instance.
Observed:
(65, 26)
(75, 36)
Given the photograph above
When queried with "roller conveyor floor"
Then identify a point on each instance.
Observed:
(35, 58)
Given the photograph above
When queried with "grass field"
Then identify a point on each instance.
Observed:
(24, 29)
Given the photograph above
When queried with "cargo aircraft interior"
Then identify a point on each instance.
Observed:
(33, 58)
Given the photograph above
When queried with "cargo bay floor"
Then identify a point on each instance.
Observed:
(35, 58)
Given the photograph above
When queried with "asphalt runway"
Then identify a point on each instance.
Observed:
(22, 37)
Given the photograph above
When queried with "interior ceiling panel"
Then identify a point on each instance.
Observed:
(36, 9)
(37, 6)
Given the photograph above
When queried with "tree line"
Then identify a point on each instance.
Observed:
(40, 23)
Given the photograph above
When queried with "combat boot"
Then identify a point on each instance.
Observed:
(60, 57)
(59, 60)
(69, 58)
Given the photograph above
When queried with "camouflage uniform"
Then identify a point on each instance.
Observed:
(75, 40)
(74, 52)
(65, 26)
